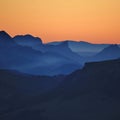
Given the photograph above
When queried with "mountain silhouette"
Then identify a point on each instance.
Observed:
(58, 80)
(111, 52)
(4, 35)
(27, 40)
(91, 93)
(64, 50)
(24, 55)
(17, 89)
(6, 39)
(27, 54)
(83, 48)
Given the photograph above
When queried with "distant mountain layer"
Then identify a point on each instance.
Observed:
(111, 52)
(27, 54)
(83, 48)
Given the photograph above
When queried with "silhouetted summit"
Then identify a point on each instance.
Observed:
(6, 39)
(27, 40)
(4, 35)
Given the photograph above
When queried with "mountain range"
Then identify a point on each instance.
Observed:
(28, 54)
(83, 48)
(58, 80)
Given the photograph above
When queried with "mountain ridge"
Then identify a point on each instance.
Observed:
(90, 93)
(29, 54)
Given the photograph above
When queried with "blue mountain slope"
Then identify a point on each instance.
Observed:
(63, 49)
(51, 64)
(27, 40)
(110, 52)
(6, 39)
(58, 49)
(28, 54)
(25, 58)
(30, 61)
(83, 48)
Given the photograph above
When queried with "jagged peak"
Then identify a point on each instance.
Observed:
(4, 35)
(27, 37)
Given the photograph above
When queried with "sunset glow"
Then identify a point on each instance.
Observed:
(96, 21)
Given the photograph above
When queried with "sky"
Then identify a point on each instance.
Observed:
(95, 21)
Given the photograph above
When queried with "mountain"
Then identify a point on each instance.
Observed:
(17, 57)
(64, 50)
(86, 47)
(13, 56)
(83, 48)
(27, 60)
(27, 54)
(29, 84)
(55, 61)
(97, 74)
(6, 39)
(51, 64)
(110, 52)
(19, 91)
(90, 94)
(4, 35)
(27, 40)
(51, 53)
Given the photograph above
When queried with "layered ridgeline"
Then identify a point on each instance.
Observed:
(27, 54)
(91, 93)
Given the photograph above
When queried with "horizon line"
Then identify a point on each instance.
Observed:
(71, 40)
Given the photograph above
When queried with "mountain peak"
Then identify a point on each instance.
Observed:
(4, 35)
(2, 31)
(28, 37)
(27, 40)
(6, 39)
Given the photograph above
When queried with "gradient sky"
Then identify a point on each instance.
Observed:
(96, 21)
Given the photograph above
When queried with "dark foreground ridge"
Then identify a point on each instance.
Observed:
(92, 93)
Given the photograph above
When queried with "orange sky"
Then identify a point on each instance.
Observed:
(96, 21)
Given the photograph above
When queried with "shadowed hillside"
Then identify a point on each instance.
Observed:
(88, 94)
